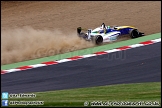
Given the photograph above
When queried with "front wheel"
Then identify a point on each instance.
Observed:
(134, 33)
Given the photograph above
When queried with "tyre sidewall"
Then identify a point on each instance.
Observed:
(134, 33)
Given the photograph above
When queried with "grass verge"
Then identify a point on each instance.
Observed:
(148, 93)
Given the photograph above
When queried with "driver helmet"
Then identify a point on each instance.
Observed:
(108, 27)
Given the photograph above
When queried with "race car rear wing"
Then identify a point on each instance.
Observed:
(89, 31)
(79, 29)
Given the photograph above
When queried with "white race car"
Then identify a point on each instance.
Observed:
(108, 34)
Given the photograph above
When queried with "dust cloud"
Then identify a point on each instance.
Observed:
(26, 43)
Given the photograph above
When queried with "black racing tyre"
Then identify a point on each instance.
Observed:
(134, 33)
(98, 40)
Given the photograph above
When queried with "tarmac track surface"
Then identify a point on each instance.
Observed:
(136, 65)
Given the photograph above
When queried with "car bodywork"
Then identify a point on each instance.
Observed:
(104, 33)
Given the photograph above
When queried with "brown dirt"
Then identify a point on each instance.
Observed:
(51, 25)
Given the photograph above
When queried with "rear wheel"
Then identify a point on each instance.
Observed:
(98, 40)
